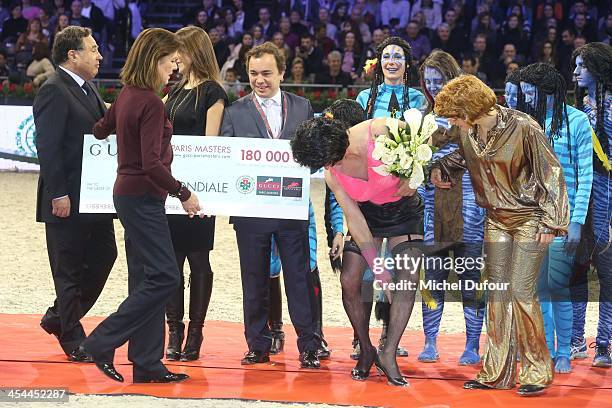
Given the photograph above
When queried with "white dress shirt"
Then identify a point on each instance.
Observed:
(272, 108)
(80, 81)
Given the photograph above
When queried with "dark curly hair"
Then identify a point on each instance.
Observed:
(320, 142)
(379, 78)
(351, 113)
(548, 81)
(597, 57)
(515, 78)
(347, 110)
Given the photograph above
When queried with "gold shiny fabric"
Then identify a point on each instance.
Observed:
(514, 318)
(519, 178)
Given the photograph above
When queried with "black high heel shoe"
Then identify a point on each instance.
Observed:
(362, 375)
(396, 381)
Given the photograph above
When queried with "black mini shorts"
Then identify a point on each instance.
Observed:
(401, 217)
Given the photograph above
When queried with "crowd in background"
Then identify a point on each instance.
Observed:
(325, 41)
(29, 27)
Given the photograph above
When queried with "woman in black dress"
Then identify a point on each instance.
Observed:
(195, 107)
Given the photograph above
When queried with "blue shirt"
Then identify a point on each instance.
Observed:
(416, 99)
(337, 223)
(582, 160)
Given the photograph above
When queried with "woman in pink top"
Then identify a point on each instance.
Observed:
(375, 207)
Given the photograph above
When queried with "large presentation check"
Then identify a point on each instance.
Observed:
(245, 177)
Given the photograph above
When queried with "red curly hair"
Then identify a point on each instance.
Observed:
(465, 97)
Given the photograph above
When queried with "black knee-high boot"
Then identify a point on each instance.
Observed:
(275, 316)
(201, 283)
(174, 315)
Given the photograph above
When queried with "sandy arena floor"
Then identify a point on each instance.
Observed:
(27, 287)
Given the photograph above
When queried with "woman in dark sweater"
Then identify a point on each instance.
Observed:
(195, 107)
(143, 182)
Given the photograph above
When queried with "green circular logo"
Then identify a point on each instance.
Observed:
(245, 184)
(26, 137)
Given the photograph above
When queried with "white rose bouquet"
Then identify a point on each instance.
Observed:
(405, 152)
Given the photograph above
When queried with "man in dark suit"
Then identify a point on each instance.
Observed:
(276, 114)
(95, 15)
(269, 28)
(81, 247)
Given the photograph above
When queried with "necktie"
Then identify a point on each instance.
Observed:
(394, 106)
(91, 96)
(272, 119)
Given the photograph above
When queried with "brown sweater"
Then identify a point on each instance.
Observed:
(144, 153)
(448, 203)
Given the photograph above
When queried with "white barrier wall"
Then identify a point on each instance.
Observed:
(17, 136)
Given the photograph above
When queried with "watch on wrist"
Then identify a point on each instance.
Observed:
(180, 192)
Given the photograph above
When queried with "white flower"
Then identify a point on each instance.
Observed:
(423, 153)
(381, 139)
(413, 118)
(429, 126)
(405, 162)
(417, 177)
(393, 125)
(382, 170)
(379, 150)
(389, 157)
(401, 150)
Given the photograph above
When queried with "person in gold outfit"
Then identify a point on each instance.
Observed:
(519, 181)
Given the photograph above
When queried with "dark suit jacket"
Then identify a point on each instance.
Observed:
(97, 19)
(62, 115)
(242, 119)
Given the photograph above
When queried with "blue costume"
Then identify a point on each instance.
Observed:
(416, 99)
(471, 238)
(601, 212)
(337, 222)
(557, 266)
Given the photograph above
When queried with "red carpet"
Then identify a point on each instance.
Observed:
(31, 358)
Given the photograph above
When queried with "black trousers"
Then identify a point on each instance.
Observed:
(254, 249)
(153, 277)
(81, 256)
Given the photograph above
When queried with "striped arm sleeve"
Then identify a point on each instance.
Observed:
(583, 148)
(312, 236)
(337, 216)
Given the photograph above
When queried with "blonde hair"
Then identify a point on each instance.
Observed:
(151, 45)
(196, 43)
(465, 97)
